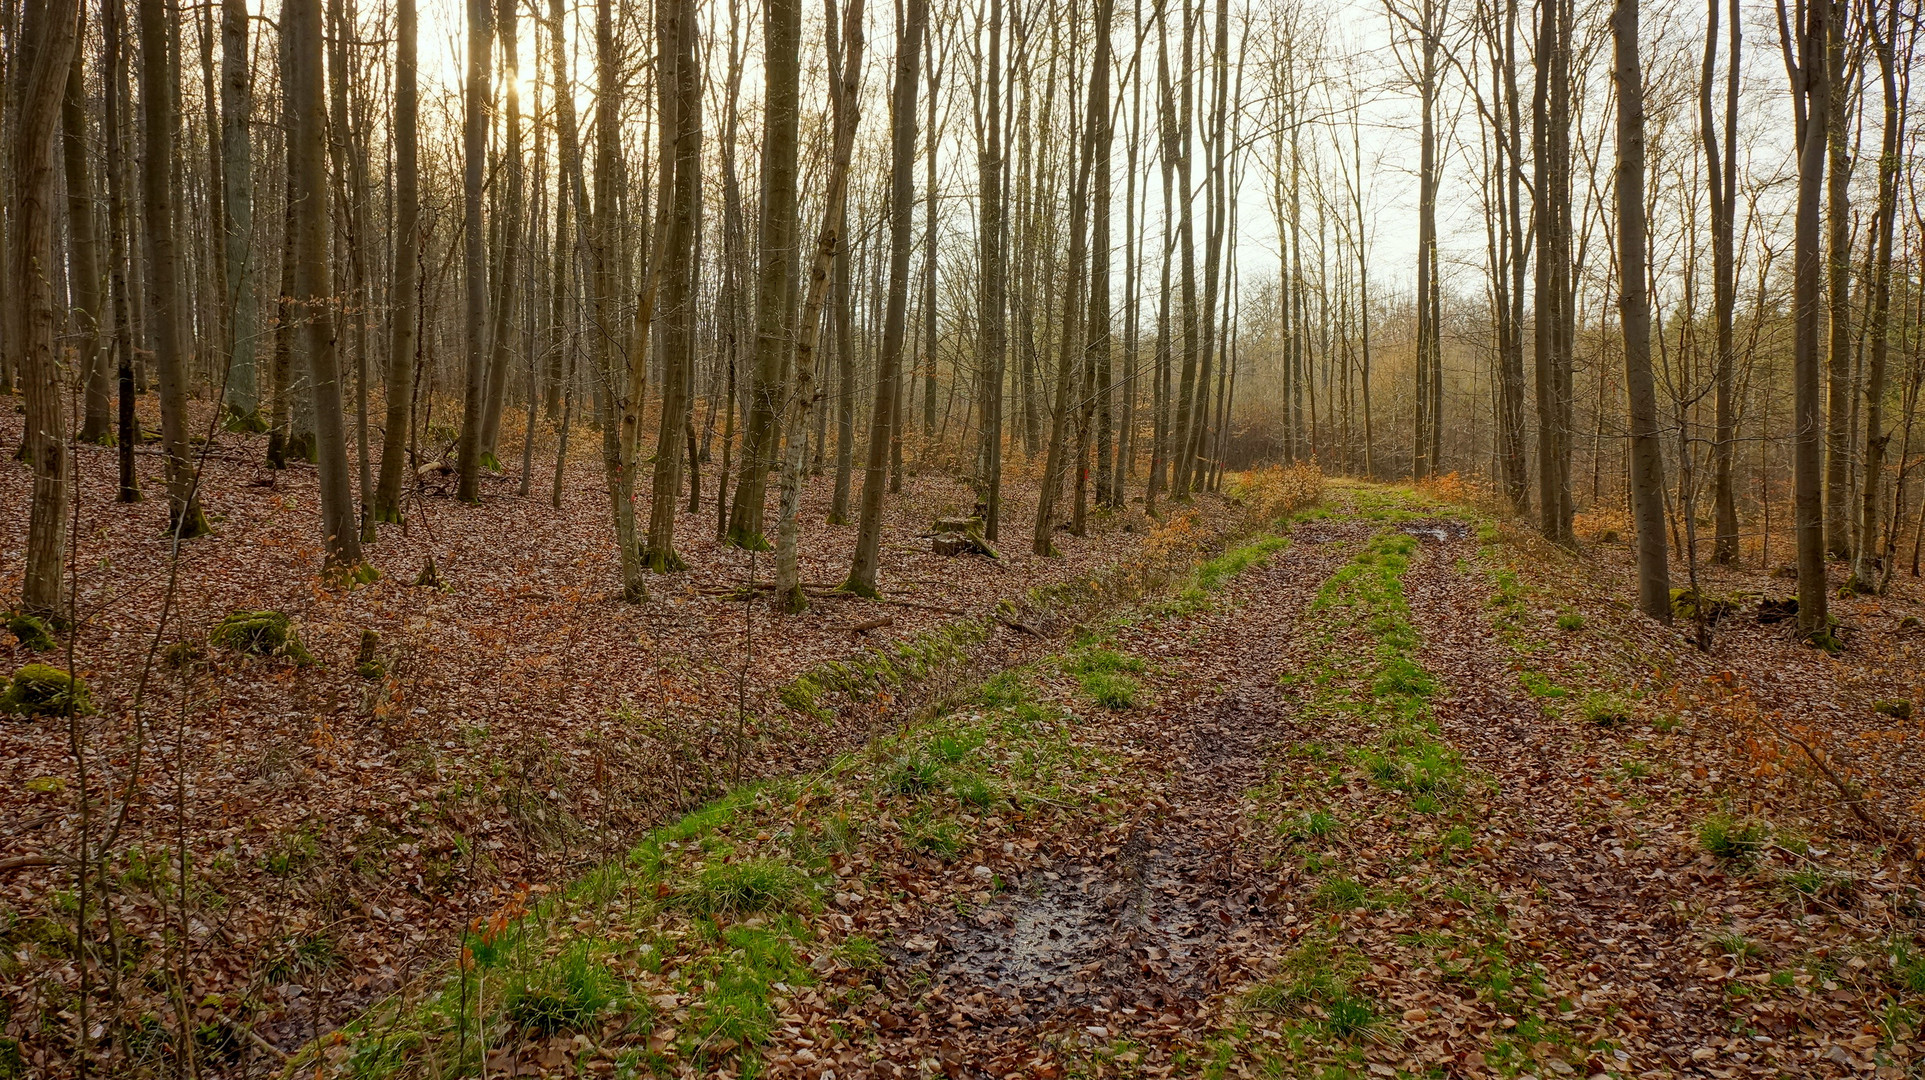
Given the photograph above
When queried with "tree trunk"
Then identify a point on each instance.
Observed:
(675, 271)
(474, 153)
(1811, 97)
(237, 108)
(83, 251)
(1723, 173)
(313, 285)
(845, 74)
(44, 64)
(1865, 568)
(862, 567)
(1634, 311)
(1096, 330)
(501, 336)
(1838, 232)
(992, 333)
(774, 294)
(1551, 207)
(159, 99)
(618, 473)
(119, 256)
(407, 256)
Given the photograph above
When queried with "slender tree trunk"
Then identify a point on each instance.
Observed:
(313, 287)
(83, 250)
(675, 261)
(1179, 150)
(501, 335)
(43, 64)
(1838, 232)
(1865, 568)
(993, 336)
(845, 74)
(1634, 311)
(845, 382)
(1723, 172)
(159, 99)
(405, 272)
(1811, 93)
(1096, 331)
(1554, 322)
(774, 293)
(237, 187)
(114, 83)
(862, 568)
(474, 150)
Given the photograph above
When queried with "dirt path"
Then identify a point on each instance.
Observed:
(1325, 813)
(1133, 944)
(1272, 902)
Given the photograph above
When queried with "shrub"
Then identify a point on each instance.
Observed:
(1734, 840)
(261, 633)
(41, 690)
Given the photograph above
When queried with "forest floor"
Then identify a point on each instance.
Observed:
(339, 825)
(1394, 791)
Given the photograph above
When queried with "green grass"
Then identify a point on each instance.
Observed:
(1908, 967)
(1570, 622)
(567, 993)
(1734, 840)
(1105, 678)
(1213, 574)
(1317, 982)
(1540, 685)
(744, 887)
(1310, 825)
(1604, 709)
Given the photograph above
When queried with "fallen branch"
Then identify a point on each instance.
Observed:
(24, 862)
(1017, 624)
(1866, 816)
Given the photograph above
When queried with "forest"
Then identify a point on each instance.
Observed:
(1024, 538)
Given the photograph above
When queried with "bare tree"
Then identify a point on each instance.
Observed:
(1634, 312)
(159, 98)
(313, 280)
(1811, 97)
(407, 256)
(479, 101)
(46, 44)
(902, 190)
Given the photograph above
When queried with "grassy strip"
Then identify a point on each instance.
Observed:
(693, 949)
(1386, 689)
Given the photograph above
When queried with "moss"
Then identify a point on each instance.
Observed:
(261, 633)
(1896, 709)
(41, 690)
(33, 631)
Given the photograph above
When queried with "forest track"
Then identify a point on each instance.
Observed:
(1134, 942)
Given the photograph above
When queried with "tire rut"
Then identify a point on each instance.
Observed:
(1613, 910)
(1133, 939)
